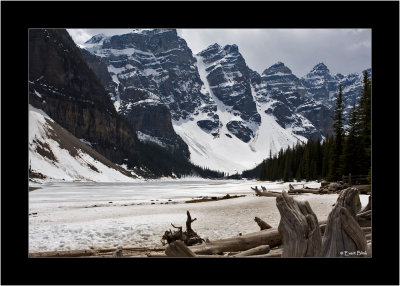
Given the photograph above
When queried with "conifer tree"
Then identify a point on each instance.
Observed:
(336, 169)
(351, 149)
(263, 171)
(364, 125)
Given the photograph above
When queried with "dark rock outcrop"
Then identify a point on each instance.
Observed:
(240, 130)
(229, 80)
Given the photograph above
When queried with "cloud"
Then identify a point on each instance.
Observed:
(342, 50)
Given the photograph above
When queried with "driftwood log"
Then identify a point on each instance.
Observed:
(118, 252)
(262, 249)
(277, 252)
(265, 193)
(269, 237)
(343, 234)
(262, 224)
(178, 249)
(292, 190)
(299, 228)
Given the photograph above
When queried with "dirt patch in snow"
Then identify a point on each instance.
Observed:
(44, 150)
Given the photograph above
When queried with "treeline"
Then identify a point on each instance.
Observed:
(347, 151)
(159, 162)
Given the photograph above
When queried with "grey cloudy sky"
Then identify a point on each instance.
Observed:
(342, 50)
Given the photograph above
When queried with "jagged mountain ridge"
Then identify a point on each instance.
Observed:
(214, 95)
(62, 85)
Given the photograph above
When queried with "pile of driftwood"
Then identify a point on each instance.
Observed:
(326, 188)
(346, 233)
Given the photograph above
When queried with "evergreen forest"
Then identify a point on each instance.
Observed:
(347, 151)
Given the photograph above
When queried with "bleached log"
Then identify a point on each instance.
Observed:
(262, 249)
(275, 253)
(269, 237)
(265, 193)
(343, 233)
(66, 253)
(299, 228)
(178, 249)
(156, 254)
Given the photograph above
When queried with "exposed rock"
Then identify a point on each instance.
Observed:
(240, 130)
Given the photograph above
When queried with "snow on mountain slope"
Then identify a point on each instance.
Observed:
(229, 116)
(225, 151)
(56, 155)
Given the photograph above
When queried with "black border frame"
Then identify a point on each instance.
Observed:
(381, 17)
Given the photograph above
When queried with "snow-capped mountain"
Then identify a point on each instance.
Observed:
(283, 96)
(56, 154)
(211, 106)
(323, 86)
(62, 85)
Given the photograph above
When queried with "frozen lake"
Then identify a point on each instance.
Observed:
(83, 215)
(86, 193)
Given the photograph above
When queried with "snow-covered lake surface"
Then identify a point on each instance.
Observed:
(83, 215)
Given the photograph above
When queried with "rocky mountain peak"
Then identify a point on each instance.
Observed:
(279, 67)
(154, 31)
(231, 48)
(319, 70)
(96, 39)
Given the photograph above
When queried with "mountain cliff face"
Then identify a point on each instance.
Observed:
(72, 95)
(323, 86)
(284, 97)
(56, 154)
(211, 107)
(62, 85)
(228, 78)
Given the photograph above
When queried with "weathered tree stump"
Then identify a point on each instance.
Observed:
(178, 249)
(343, 234)
(364, 216)
(189, 237)
(262, 224)
(299, 228)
